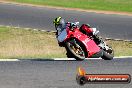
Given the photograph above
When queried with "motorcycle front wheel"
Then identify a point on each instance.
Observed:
(75, 49)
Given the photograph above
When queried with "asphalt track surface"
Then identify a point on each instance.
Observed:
(112, 26)
(59, 74)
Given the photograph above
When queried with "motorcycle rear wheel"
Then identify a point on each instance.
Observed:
(75, 50)
(107, 56)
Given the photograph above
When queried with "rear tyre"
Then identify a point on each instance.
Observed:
(75, 49)
(107, 56)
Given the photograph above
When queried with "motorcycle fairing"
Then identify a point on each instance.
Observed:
(89, 44)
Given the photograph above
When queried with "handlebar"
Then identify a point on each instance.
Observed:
(74, 25)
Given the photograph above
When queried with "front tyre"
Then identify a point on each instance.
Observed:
(75, 49)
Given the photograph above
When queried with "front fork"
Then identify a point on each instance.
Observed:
(75, 43)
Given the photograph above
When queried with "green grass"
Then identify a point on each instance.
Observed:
(21, 43)
(109, 5)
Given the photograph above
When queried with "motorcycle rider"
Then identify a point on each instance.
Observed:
(60, 25)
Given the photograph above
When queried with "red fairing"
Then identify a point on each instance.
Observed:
(90, 45)
(86, 29)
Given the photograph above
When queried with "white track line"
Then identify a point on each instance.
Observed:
(65, 59)
(91, 58)
(124, 57)
(57, 59)
(9, 60)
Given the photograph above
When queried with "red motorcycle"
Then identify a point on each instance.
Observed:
(80, 45)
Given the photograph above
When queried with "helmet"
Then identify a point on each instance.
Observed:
(59, 21)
